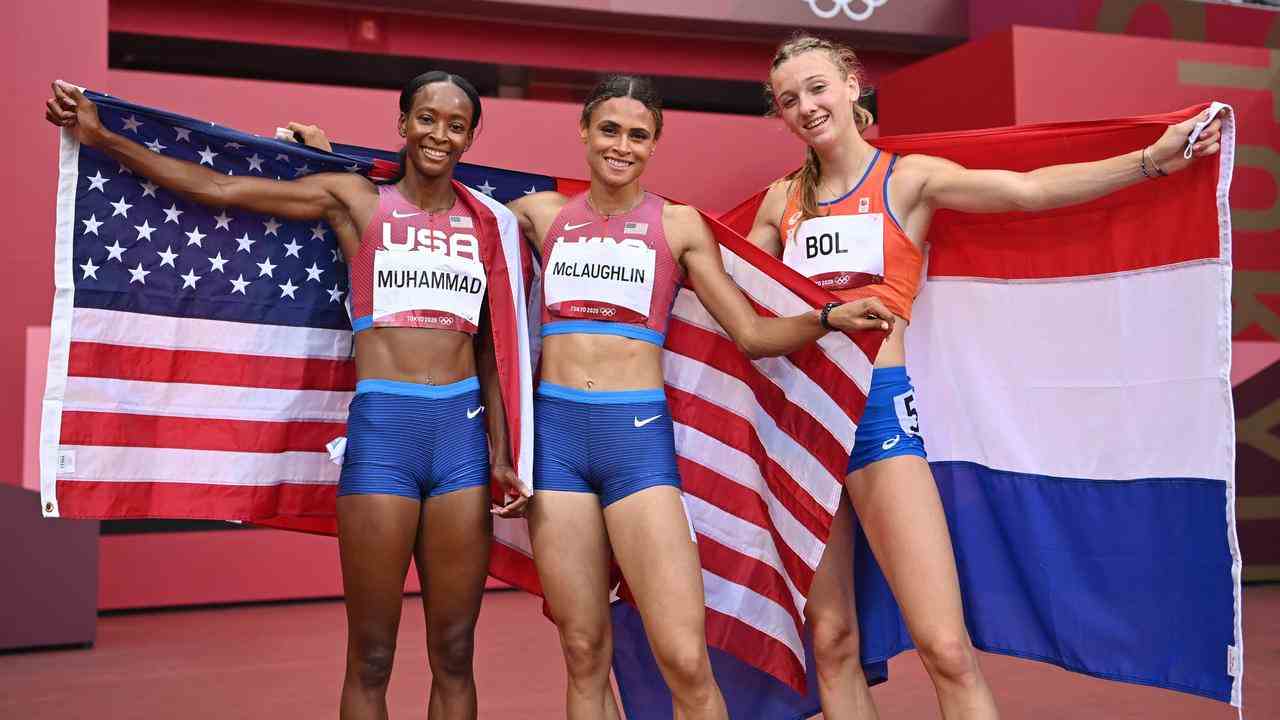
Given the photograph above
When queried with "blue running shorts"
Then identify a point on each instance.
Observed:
(890, 425)
(416, 441)
(613, 444)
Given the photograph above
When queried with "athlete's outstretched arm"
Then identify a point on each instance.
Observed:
(757, 336)
(500, 470)
(323, 196)
(764, 231)
(936, 183)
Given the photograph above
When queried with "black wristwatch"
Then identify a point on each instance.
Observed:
(826, 310)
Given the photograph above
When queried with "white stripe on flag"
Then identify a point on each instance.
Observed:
(728, 392)
(731, 463)
(172, 333)
(754, 610)
(141, 397)
(105, 463)
(733, 532)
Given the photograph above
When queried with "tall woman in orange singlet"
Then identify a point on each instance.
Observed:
(882, 206)
(407, 489)
(604, 459)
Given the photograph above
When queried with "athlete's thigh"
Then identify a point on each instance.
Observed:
(898, 505)
(831, 592)
(376, 535)
(652, 541)
(571, 551)
(452, 555)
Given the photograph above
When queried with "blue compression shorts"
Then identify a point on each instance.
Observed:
(890, 425)
(613, 444)
(416, 441)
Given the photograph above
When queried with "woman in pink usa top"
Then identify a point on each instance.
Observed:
(881, 205)
(427, 429)
(604, 456)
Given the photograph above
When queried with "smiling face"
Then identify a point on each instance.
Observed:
(620, 135)
(815, 97)
(437, 129)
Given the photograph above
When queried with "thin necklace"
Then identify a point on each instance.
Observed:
(862, 171)
(622, 212)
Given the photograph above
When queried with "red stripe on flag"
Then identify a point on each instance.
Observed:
(716, 351)
(748, 572)
(514, 568)
(711, 487)
(105, 500)
(126, 362)
(158, 431)
(737, 432)
(757, 648)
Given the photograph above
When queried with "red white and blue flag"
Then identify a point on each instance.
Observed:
(1071, 367)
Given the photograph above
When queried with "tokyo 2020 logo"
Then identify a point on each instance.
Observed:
(847, 6)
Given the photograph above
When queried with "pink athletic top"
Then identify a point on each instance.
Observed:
(610, 275)
(417, 269)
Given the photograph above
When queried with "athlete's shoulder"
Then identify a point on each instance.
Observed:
(681, 217)
(921, 165)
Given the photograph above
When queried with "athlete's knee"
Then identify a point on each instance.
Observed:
(369, 663)
(450, 651)
(685, 664)
(587, 651)
(950, 657)
(835, 643)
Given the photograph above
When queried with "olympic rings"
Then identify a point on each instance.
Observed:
(847, 7)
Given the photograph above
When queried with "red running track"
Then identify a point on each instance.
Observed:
(285, 661)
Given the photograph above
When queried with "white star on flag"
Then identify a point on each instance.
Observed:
(223, 220)
(353, 167)
(216, 262)
(486, 188)
(239, 284)
(244, 242)
(531, 190)
(335, 295)
(144, 230)
(173, 213)
(184, 134)
(282, 157)
(90, 270)
(115, 252)
(149, 188)
(155, 146)
(121, 208)
(131, 124)
(122, 170)
(207, 155)
(304, 170)
(91, 225)
(334, 251)
(138, 275)
(265, 268)
(194, 237)
(292, 248)
(288, 289)
(97, 182)
(317, 232)
(234, 145)
(313, 272)
(272, 226)
(255, 162)
(167, 257)
(189, 280)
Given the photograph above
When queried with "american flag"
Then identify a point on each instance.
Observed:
(201, 361)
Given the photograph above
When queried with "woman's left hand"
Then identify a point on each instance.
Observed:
(1167, 153)
(514, 497)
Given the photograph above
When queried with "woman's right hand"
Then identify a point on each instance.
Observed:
(69, 108)
(311, 136)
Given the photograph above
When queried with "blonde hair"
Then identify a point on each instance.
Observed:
(846, 61)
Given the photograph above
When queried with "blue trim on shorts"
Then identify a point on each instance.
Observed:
(601, 327)
(881, 434)
(601, 397)
(431, 392)
(363, 322)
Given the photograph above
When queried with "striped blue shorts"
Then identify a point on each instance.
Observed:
(416, 441)
(613, 444)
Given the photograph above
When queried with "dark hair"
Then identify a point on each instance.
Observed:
(625, 86)
(410, 91)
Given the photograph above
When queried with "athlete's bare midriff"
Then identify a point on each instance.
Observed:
(417, 355)
(601, 362)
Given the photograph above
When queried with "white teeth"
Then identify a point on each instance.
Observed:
(616, 163)
(435, 154)
(815, 123)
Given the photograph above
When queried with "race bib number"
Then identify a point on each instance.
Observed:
(426, 289)
(600, 280)
(908, 416)
(840, 251)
